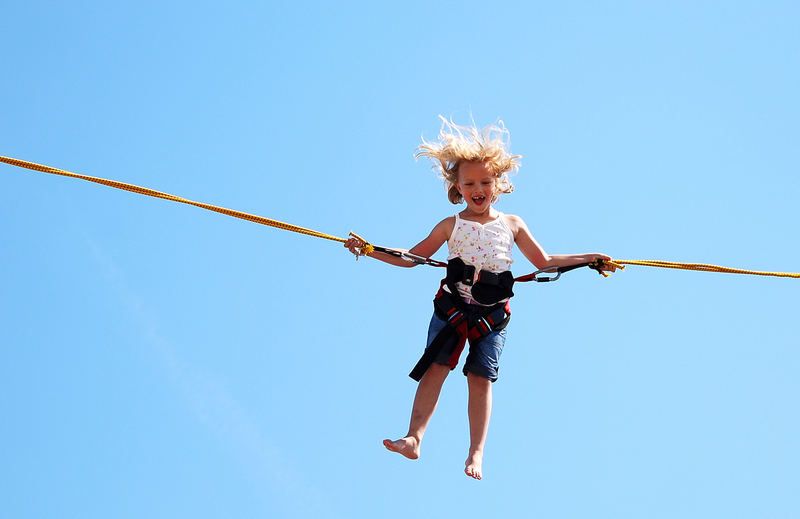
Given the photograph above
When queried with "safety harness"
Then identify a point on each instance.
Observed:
(466, 321)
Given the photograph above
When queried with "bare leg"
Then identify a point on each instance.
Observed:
(479, 410)
(424, 404)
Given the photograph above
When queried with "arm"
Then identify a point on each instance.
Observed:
(426, 248)
(531, 249)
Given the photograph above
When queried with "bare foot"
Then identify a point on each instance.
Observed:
(474, 464)
(408, 447)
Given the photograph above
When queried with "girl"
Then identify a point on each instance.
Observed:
(473, 300)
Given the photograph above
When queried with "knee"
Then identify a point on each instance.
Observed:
(437, 371)
(478, 381)
(436, 366)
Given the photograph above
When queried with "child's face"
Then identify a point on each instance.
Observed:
(477, 185)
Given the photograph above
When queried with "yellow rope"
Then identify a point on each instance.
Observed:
(700, 267)
(173, 198)
(368, 248)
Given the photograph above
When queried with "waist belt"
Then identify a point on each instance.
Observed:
(487, 287)
(467, 322)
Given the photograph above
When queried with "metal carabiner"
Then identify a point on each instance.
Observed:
(539, 278)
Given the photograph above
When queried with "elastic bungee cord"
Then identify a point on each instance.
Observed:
(541, 276)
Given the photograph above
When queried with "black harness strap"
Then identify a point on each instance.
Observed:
(540, 277)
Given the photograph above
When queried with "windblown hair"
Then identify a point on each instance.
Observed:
(459, 144)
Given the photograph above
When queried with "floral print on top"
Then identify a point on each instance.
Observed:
(486, 246)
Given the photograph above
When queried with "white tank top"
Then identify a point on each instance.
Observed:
(485, 246)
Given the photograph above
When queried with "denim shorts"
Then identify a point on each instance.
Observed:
(482, 359)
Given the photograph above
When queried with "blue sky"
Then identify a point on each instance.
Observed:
(164, 361)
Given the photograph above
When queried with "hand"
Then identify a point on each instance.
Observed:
(607, 267)
(355, 246)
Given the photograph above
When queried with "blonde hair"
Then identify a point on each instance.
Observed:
(459, 144)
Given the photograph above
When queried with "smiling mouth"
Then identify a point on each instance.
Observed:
(478, 199)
